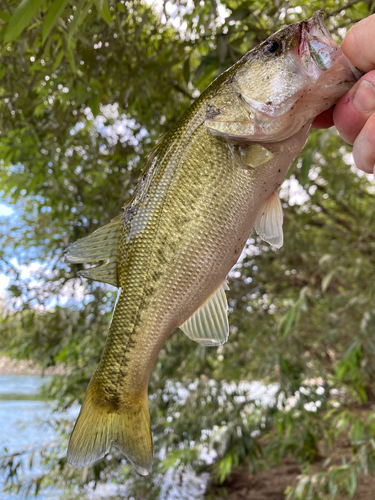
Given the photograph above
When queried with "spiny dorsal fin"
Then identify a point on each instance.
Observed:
(100, 246)
(270, 224)
(209, 324)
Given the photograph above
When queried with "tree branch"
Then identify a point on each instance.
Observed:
(336, 11)
(180, 89)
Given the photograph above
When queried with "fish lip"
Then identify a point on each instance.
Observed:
(317, 20)
(316, 48)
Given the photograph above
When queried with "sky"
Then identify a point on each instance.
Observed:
(5, 210)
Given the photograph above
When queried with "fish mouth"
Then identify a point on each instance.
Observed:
(317, 49)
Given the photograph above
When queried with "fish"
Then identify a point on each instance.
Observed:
(206, 185)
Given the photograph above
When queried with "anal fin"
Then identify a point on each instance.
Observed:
(209, 324)
(270, 223)
(100, 246)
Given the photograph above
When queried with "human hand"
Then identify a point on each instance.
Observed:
(354, 113)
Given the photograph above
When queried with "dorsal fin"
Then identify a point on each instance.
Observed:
(100, 247)
(270, 223)
(209, 324)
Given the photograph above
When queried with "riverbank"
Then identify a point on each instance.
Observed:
(271, 485)
(10, 366)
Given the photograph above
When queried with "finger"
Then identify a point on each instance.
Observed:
(359, 42)
(355, 107)
(324, 120)
(364, 147)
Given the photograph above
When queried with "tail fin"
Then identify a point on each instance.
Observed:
(128, 427)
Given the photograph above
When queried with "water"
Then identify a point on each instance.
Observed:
(21, 421)
(21, 426)
(22, 415)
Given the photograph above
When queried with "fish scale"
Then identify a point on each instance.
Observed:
(207, 183)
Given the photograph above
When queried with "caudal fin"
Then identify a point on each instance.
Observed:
(98, 425)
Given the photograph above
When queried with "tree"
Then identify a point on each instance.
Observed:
(86, 89)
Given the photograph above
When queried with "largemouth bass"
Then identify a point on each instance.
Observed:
(206, 185)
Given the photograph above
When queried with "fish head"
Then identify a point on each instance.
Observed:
(285, 82)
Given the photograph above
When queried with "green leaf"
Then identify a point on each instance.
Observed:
(222, 48)
(301, 486)
(21, 18)
(54, 12)
(71, 60)
(327, 280)
(39, 110)
(186, 70)
(144, 19)
(327, 257)
(94, 105)
(79, 16)
(342, 424)
(14, 290)
(289, 321)
(240, 13)
(106, 13)
(104, 10)
(351, 483)
(59, 57)
(5, 16)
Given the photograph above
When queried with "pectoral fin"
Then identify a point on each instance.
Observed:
(254, 155)
(270, 224)
(100, 246)
(209, 324)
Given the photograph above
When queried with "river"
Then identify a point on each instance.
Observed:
(21, 422)
(22, 414)
(23, 418)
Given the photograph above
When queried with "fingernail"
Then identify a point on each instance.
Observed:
(374, 169)
(364, 98)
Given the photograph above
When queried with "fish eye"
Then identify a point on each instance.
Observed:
(272, 47)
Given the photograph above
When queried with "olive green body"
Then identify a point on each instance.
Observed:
(187, 225)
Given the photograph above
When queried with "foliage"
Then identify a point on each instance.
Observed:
(86, 87)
